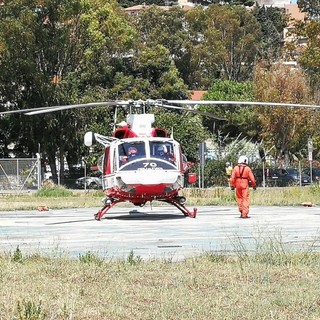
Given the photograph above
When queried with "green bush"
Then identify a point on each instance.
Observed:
(28, 310)
(17, 255)
(90, 258)
(215, 173)
(54, 191)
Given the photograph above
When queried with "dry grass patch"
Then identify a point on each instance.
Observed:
(32, 201)
(262, 196)
(60, 198)
(272, 283)
(208, 287)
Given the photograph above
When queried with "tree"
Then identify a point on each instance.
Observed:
(195, 69)
(58, 52)
(231, 38)
(240, 120)
(283, 128)
(34, 42)
(69, 52)
(272, 21)
(220, 42)
(167, 28)
(311, 7)
(186, 128)
(308, 55)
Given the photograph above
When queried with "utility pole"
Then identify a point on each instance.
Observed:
(310, 150)
(202, 151)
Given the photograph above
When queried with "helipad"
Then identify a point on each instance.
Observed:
(158, 232)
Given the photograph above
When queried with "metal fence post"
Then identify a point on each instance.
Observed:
(39, 171)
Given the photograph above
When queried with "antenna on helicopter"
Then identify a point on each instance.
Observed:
(171, 135)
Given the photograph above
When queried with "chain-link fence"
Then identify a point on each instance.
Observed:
(19, 175)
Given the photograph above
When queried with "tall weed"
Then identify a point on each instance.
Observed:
(28, 310)
(54, 191)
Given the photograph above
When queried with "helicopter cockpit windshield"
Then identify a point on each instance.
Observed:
(162, 150)
(129, 151)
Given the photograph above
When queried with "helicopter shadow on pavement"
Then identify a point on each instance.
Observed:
(137, 215)
(69, 221)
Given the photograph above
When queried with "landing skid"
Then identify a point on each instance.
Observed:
(175, 201)
(108, 205)
(182, 208)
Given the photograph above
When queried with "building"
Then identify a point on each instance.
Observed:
(135, 9)
(197, 95)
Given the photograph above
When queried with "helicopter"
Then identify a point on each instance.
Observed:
(142, 163)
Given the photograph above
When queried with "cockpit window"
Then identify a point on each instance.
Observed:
(162, 150)
(158, 148)
(129, 151)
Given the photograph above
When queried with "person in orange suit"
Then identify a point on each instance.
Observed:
(241, 178)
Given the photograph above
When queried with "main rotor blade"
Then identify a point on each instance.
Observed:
(40, 110)
(159, 103)
(23, 110)
(81, 105)
(249, 103)
(207, 114)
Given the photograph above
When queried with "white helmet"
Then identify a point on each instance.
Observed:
(243, 159)
(162, 148)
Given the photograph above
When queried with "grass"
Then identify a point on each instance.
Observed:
(271, 283)
(266, 285)
(54, 199)
(59, 197)
(262, 196)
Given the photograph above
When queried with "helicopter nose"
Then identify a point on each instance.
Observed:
(149, 177)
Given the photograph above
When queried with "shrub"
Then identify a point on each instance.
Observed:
(54, 191)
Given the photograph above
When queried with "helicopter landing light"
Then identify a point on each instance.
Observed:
(182, 200)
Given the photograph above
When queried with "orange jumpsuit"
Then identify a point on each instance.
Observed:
(240, 177)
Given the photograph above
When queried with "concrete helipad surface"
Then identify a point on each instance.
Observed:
(158, 232)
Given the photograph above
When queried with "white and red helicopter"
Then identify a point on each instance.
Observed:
(141, 163)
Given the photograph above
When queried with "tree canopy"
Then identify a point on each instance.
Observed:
(58, 52)
(283, 128)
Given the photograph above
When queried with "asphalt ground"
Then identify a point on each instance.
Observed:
(159, 232)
